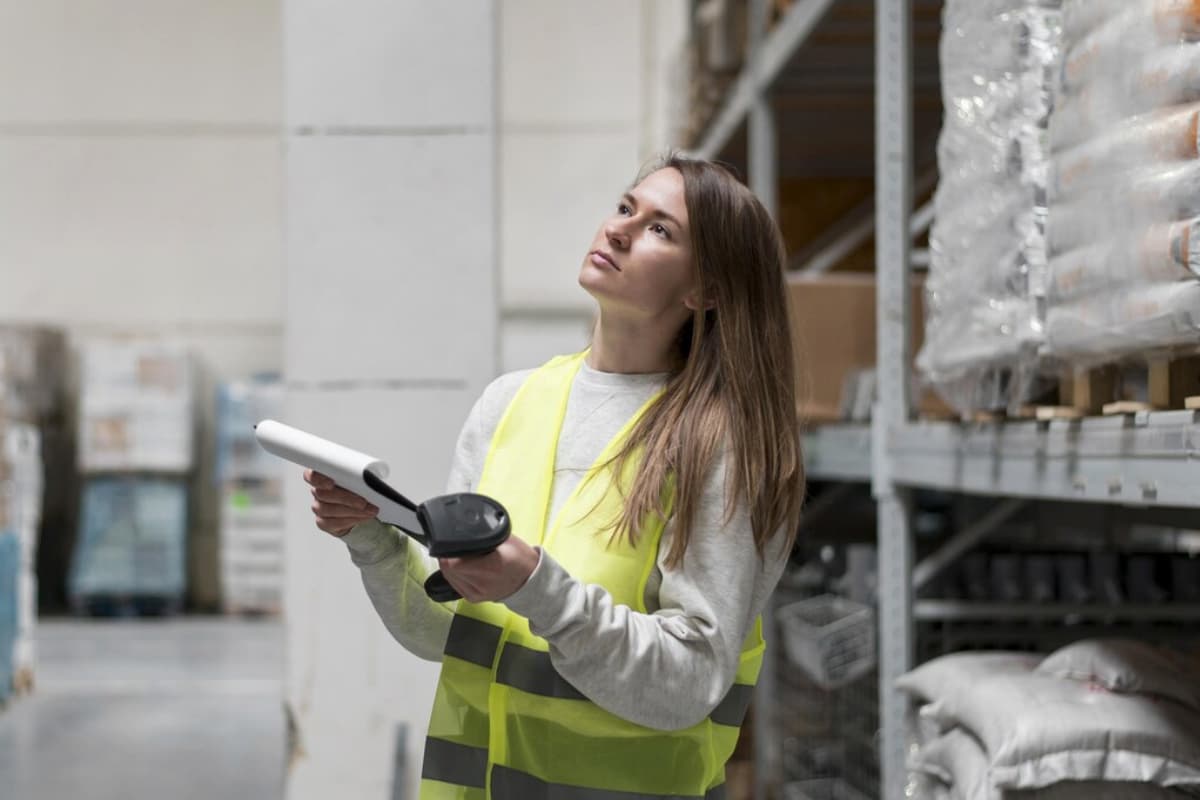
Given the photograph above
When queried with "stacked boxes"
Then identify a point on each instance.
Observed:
(1124, 225)
(251, 497)
(987, 244)
(21, 516)
(135, 450)
(32, 379)
(137, 407)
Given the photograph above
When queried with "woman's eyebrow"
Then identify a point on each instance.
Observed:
(658, 212)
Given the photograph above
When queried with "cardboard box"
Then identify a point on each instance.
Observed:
(252, 545)
(137, 406)
(833, 338)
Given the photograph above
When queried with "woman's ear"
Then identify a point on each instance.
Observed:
(692, 301)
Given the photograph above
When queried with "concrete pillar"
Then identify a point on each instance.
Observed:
(390, 333)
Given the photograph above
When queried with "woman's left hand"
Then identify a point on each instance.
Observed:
(493, 576)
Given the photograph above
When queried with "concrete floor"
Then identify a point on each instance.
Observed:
(129, 709)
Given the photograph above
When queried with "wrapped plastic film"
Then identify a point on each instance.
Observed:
(1000, 60)
(1103, 38)
(1123, 228)
(1160, 254)
(1149, 318)
(1161, 78)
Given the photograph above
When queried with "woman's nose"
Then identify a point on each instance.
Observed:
(616, 235)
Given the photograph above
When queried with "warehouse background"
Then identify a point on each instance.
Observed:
(352, 216)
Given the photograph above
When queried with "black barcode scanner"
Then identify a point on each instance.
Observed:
(451, 526)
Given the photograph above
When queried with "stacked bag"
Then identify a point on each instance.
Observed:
(988, 241)
(1124, 204)
(1097, 719)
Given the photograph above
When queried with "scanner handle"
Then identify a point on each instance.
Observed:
(439, 589)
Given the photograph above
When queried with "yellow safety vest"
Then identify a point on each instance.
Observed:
(505, 725)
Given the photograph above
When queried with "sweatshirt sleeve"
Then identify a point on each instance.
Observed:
(394, 568)
(668, 669)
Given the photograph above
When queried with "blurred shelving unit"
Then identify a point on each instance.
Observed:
(851, 88)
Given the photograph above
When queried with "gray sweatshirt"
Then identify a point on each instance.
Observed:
(665, 669)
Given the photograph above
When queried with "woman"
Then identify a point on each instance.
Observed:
(654, 483)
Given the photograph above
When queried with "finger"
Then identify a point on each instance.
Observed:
(464, 588)
(326, 511)
(341, 497)
(318, 479)
(473, 568)
(465, 584)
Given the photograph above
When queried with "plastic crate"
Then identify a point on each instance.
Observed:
(831, 639)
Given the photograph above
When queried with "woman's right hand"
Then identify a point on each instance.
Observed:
(336, 509)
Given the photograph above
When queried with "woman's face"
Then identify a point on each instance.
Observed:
(640, 262)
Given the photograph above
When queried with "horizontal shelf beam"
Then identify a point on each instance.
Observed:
(967, 611)
(1147, 459)
(760, 71)
(838, 453)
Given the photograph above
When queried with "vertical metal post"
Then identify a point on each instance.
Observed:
(893, 194)
(762, 155)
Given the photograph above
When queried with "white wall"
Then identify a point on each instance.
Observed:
(140, 171)
(390, 334)
(582, 105)
(443, 167)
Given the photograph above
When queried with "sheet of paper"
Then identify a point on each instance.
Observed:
(348, 468)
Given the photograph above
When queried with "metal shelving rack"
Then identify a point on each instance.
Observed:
(1147, 459)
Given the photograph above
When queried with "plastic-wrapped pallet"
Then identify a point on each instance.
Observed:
(136, 406)
(251, 496)
(10, 557)
(987, 245)
(1124, 219)
(21, 515)
(131, 544)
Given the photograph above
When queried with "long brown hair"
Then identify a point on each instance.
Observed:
(733, 381)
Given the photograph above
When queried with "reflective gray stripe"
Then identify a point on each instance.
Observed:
(732, 710)
(472, 640)
(531, 671)
(459, 764)
(509, 784)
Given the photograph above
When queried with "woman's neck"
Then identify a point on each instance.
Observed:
(631, 348)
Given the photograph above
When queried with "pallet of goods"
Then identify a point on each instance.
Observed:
(136, 450)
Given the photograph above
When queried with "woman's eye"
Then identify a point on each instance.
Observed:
(660, 230)
(623, 209)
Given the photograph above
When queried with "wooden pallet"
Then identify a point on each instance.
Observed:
(251, 611)
(126, 605)
(1162, 383)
